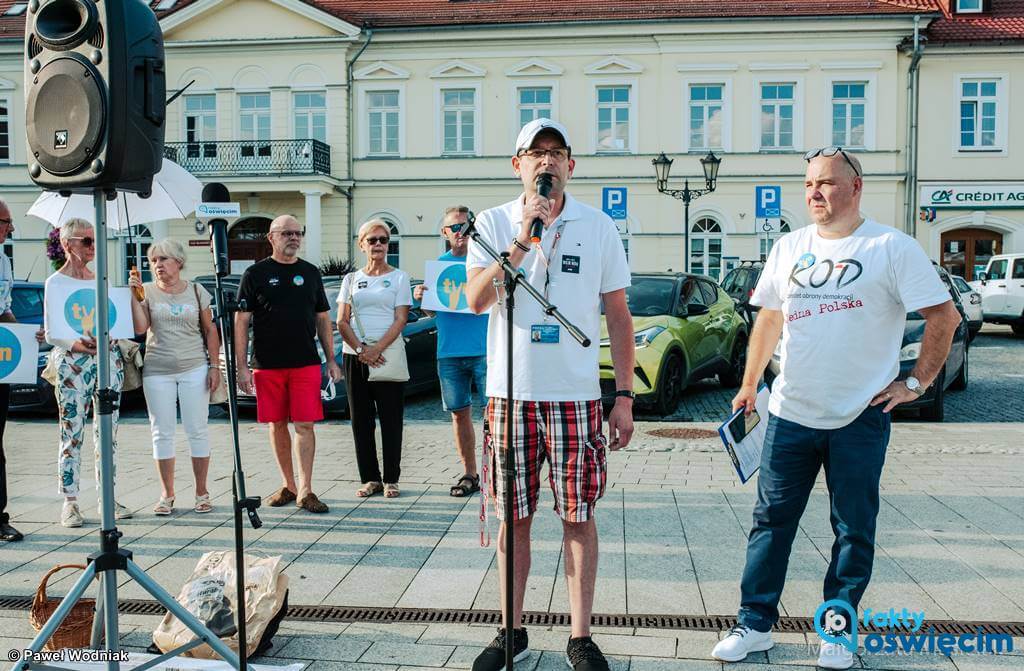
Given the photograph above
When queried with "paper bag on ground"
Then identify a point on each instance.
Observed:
(209, 594)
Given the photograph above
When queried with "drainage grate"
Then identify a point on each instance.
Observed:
(802, 625)
(684, 434)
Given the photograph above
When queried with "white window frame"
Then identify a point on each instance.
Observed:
(1002, 80)
(258, 144)
(782, 77)
(363, 114)
(973, 10)
(726, 83)
(870, 107)
(530, 84)
(634, 96)
(720, 235)
(327, 114)
(5, 101)
(452, 85)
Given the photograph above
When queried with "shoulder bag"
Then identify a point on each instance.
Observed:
(396, 366)
(220, 394)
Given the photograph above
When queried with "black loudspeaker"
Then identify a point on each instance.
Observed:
(95, 90)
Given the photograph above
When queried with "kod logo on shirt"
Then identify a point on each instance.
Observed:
(298, 280)
(80, 312)
(816, 275)
(451, 286)
(10, 352)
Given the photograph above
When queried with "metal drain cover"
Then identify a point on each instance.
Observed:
(684, 434)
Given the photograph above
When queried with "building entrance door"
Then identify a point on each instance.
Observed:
(966, 251)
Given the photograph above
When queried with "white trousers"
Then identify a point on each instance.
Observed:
(164, 393)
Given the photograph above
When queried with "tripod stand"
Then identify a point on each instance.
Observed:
(513, 278)
(110, 559)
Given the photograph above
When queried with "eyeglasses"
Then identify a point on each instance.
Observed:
(86, 241)
(828, 152)
(557, 154)
(7, 222)
(381, 240)
(455, 228)
(291, 234)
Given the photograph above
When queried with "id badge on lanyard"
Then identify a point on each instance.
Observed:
(547, 334)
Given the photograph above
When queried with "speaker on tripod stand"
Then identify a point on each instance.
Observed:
(95, 90)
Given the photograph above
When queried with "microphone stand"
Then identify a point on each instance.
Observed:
(225, 310)
(513, 278)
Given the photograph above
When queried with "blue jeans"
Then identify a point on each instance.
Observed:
(793, 454)
(458, 374)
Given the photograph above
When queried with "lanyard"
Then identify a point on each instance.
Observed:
(550, 256)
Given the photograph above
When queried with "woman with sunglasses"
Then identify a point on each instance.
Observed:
(77, 373)
(375, 301)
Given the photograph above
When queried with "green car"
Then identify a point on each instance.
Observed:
(686, 329)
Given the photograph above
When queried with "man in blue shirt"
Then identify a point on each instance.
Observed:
(461, 357)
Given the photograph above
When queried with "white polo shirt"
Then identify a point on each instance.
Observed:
(844, 305)
(588, 261)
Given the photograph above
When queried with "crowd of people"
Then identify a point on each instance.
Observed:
(825, 412)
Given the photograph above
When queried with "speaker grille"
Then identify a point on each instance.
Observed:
(34, 48)
(97, 38)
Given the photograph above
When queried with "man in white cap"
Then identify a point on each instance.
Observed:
(578, 264)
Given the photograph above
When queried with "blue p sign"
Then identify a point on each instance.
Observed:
(768, 202)
(613, 201)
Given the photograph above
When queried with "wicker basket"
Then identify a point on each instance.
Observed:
(76, 629)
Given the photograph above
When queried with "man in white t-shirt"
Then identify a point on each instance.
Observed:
(837, 292)
(578, 264)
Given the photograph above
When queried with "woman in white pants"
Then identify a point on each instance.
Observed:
(182, 368)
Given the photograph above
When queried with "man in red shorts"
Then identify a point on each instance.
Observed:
(286, 303)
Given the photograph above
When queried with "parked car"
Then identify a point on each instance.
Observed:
(686, 328)
(954, 373)
(739, 283)
(971, 300)
(27, 306)
(420, 335)
(1002, 291)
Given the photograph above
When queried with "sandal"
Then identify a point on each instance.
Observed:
(369, 489)
(459, 489)
(203, 504)
(164, 507)
(391, 490)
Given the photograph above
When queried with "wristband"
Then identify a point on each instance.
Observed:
(625, 393)
(515, 241)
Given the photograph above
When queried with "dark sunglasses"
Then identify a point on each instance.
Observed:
(828, 152)
(455, 228)
(373, 241)
(86, 241)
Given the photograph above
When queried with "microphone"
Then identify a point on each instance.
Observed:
(543, 190)
(215, 192)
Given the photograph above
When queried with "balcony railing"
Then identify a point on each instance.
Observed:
(252, 157)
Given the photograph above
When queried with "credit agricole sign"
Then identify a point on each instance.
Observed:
(973, 196)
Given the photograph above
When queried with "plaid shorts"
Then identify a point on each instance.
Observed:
(568, 436)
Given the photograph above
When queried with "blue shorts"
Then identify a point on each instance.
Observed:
(458, 375)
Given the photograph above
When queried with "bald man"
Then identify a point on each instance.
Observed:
(287, 306)
(840, 290)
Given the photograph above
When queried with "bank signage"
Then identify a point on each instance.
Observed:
(973, 196)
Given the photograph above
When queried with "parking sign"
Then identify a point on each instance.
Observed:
(767, 208)
(613, 201)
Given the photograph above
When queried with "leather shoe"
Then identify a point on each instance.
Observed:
(9, 533)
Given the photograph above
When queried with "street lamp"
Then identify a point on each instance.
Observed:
(662, 167)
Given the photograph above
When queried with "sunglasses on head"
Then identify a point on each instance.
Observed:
(829, 152)
(375, 240)
(86, 241)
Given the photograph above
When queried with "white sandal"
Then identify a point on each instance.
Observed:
(164, 507)
(203, 504)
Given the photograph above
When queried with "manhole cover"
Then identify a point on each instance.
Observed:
(684, 434)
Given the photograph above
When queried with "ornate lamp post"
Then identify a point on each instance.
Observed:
(662, 167)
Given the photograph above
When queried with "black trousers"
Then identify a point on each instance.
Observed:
(5, 399)
(368, 401)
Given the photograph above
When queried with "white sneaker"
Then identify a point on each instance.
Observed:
(71, 516)
(740, 642)
(834, 656)
(120, 512)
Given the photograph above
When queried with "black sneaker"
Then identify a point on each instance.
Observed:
(582, 654)
(493, 656)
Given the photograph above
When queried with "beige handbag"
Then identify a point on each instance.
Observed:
(396, 365)
(220, 394)
(131, 361)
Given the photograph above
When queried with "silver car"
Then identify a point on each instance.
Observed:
(971, 300)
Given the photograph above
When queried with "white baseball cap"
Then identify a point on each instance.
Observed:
(530, 131)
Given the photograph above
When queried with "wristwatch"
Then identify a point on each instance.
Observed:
(361, 348)
(914, 385)
(625, 393)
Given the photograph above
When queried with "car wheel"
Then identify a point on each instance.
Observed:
(960, 383)
(670, 385)
(936, 411)
(1018, 330)
(733, 376)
